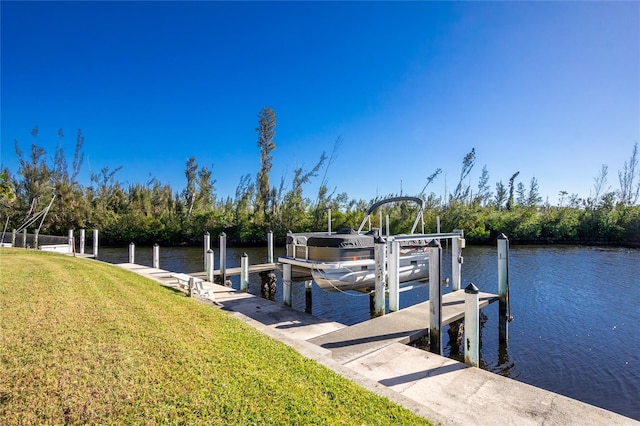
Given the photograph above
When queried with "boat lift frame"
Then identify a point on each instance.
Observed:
(386, 261)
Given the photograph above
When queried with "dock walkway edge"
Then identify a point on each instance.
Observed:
(440, 389)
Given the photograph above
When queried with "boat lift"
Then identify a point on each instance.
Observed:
(296, 265)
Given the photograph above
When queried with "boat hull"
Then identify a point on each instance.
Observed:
(344, 277)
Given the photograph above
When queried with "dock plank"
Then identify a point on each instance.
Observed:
(403, 326)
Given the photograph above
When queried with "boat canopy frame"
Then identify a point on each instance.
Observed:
(417, 200)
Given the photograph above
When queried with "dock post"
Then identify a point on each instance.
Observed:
(329, 220)
(72, 243)
(35, 239)
(435, 296)
(387, 224)
(503, 289)
(457, 244)
(291, 250)
(393, 274)
(24, 238)
(156, 256)
(286, 284)
(207, 247)
(244, 272)
(471, 326)
(209, 265)
(308, 300)
(132, 253)
(95, 243)
(223, 258)
(270, 247)
(192, 284)
(82, 237)
(381, 262)
(13, 238)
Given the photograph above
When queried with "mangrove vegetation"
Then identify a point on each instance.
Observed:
(155, 212)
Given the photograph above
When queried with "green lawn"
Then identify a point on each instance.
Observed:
(82, 342)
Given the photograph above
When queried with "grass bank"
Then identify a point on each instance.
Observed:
(83, 342)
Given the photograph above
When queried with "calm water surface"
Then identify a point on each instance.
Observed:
(576, 313)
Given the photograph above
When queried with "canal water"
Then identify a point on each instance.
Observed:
(576, 326)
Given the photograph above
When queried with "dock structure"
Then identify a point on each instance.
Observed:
(253, 269)
(404, 326)
(373, 355)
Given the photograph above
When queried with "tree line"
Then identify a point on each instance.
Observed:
(154, 212)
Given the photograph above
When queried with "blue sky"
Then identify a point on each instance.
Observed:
(550, 89)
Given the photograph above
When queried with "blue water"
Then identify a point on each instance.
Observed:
(576, 327)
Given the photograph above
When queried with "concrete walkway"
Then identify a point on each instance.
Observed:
(441, 389)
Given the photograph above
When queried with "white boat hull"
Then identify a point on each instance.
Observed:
(344, 276)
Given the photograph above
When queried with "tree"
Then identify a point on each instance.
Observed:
(430, 179)
(484, 193)
(205, 198)
(533, 198)
(461, 192)
(34, 191)
(266, 132)
(501, 195)
(294, 208)
(628, 192)
(189, 193)
(511, 182)
(7, 193)
(599, 186)
(562, 195)
(71, 208)
(521, 192)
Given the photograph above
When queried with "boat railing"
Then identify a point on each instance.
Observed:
(436, 236)
(297, 243)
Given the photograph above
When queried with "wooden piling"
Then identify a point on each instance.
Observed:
(471, 326)
(308, 300)
(393, 274)
(457, 244)
(223, 258)
(72, 243)
(380, 254)
(207, 247)
(132, 253)
(210, 265)
(270, 247)
(82, 238)
(244, 272)
(286, 284)
(95, 243)
(435, 297)
(503, 289)
(156, 256)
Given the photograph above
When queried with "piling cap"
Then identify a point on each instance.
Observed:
(223, 235)
(207, 233)
(245, 254)
(434, 243)
(471, 289)
(209, 251)
(502, 237)
(379, 240)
